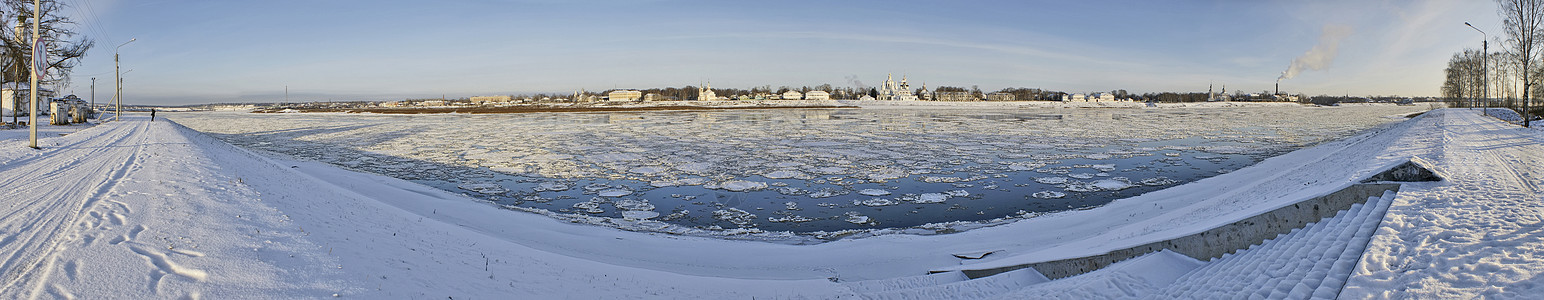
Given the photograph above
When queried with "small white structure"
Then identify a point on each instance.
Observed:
(817, 95)
(793, 95)
(624, 95)
(1075, 97)
(13, 99)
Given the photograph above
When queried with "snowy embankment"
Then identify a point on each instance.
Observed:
(144, 210)
(139, 209)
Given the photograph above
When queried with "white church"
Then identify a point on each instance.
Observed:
(893, 91)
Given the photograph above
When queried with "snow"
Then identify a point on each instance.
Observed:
(742, 185)
(1129, 279)
(932, 198)
(138, 209)
(1311, 262)
(1474, 235)
(873, 192)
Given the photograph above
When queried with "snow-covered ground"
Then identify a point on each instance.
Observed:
(139, 209)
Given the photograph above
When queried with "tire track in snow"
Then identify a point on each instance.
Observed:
(47, 194)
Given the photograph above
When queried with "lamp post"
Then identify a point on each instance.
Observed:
(1484, 66)
(118, 81)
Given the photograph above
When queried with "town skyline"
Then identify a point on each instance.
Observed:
(194, 52)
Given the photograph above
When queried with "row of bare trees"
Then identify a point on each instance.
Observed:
(1475, 78)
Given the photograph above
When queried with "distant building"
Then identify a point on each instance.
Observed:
(1075, 97)
(866, 97)
(490, 100)
(432, 103)
(705, 93)
(1000, 96)
(652, 97)
(792, 95)
(817, 95)
(13, 98)
(1213, 97)
(896, 91)
(624, 95)
(954, 96)
(1103, 97)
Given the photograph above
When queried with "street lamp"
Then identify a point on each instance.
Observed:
(1484, 66)
(118, 80)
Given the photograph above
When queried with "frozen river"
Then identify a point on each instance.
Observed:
(821, 173)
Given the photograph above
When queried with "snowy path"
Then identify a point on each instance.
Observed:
(44, 197)
(1478, 234)
(152, 210)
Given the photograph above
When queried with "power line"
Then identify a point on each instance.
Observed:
(89, 17)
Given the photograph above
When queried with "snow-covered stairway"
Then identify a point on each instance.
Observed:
(1311, 262)
(948, 285)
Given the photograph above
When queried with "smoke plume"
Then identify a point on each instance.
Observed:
(1321, 55)
(853, 80)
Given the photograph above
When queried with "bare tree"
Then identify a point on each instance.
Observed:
(65, 47)
(1522, 20)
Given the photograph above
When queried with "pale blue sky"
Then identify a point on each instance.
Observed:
(234, 51)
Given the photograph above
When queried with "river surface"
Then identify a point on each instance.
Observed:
(810, 172)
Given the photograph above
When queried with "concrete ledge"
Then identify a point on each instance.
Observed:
(1215, 242)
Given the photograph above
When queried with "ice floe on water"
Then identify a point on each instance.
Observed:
(485, 188)
(742, 185)
(711, 173)
(1051, 180)
(785, 174)
(857, 218)
(1048, 194)
(735, 215)
(932, 198)
(614, 192)
(876, 202)
(873, 192)
(1114, 184)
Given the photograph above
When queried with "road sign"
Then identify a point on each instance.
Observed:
(39, 56)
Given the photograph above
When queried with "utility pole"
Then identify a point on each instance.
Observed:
(93, 97)
(37, 41)
(118, 81)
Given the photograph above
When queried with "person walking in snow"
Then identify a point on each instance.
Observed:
(152, 115)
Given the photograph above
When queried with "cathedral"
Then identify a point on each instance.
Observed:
(893, 91)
